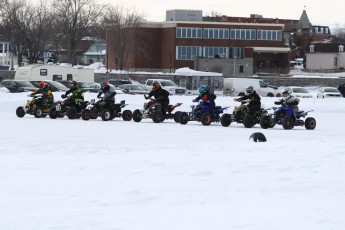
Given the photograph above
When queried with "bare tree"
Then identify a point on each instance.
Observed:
(28, 27)
(339, 31)
(121, 26)
(73, 21)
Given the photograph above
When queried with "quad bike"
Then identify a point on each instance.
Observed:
(152, 110)
(33, 107)
(105, 109)
(67, 107)
(241, 115)
(286, 117)
(202, 113)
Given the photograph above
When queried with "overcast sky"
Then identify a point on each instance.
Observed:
(327, 13)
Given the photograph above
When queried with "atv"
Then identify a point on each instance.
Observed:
(286, 117)
(67, 107)
(152, 110)
(202, 113)
(33, 107)
(241, 115)
(105, 109)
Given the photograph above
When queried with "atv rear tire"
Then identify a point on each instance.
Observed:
(183, 118)
(206, 119)
(176, 116)
(38, 112)
(288, 122)
(310, 123)
(72, 113)
(52, 113)
(127, 115)
(248, 121)
(157, 117)
(137, 115)
(20, 112)
(106, 114)
(225, 120)
(85, 114)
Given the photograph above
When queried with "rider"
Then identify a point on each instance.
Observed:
(160, 95)
(288, 100)
(78, 95)
(206, 97)
(47, 98)
(254, 100)
(108, 92)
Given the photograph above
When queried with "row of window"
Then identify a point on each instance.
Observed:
(190, 52)
(223, 33)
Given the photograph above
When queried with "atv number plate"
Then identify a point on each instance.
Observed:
(58, 108)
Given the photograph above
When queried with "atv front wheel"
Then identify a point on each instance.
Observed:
(106, 115)
(288, 122)
(127, 115)
(310, 123)
(52, 113)
(85, 114)
(38, 112)
(206, 119)
(265, 122)
(157, 117)
(20, 111)
(71, 113)
(248, 121)
(137, 115)
(225, 120)
(183, 118)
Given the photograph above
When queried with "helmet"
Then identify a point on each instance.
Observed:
(155, 85)
(74, 84)
(250, 90)
(286, 93)
(41, 84)
(202, 89)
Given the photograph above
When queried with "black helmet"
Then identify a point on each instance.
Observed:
(250, 90)
(286, 92)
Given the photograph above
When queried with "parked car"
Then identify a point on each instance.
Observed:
(328, 92)
(133, 89)
(168, 85)
(95, 87)
(117, 82)
(237, 87)
(54, 85)
(298, 91)
(16, 86)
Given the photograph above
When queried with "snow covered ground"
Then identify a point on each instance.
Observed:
(116, 175)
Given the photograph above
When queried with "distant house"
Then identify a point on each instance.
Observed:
(95, 53)
(325, 56)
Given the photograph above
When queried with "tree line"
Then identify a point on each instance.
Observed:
(35, 27)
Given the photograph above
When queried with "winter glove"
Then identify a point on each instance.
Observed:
(195, 100)
(63, 96)
(98, 96)
(31, 95)
(235, 99)
(146, 97)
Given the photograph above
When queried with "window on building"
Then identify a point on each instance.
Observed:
(335, 61)
(321, 30)
(243, 34)
(216, 52)
(236, 52)
(187, 52)
(311, 48)
(341, 48)
(186, 32)
(271, 35)
(326, 30)
(216, 33)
